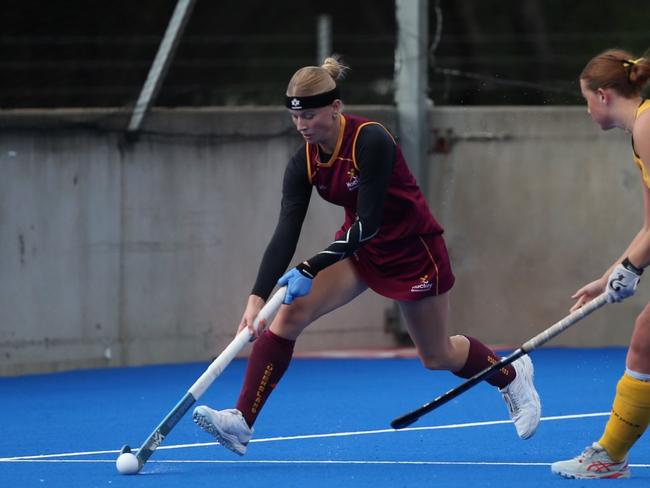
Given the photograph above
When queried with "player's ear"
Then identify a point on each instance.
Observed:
(603, 95)
(337, 105)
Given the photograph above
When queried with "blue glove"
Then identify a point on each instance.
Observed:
(298, 284)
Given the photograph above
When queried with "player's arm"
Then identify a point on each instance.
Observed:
(625, 274)
(296, 192)
(375, 158)
(639, 251)
(640, 237)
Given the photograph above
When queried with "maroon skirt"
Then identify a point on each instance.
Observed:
(408, 269)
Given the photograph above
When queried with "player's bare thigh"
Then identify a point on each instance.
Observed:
(638, 355)
(427, 320)
(332, 288)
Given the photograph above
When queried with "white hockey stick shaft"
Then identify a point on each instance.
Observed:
(237, 344)
(205, 380)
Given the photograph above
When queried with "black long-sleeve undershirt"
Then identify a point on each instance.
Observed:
(375, 157)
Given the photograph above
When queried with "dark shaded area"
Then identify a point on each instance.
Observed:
(77, 53)
(528, 52)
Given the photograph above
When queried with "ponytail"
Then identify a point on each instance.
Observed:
(639, 71)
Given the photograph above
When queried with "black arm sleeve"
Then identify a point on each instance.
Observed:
(296, 192)
(375, 157)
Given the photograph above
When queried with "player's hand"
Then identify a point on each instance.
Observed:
(622, 282)
(298, 283)
(588, 293)
(252, 310)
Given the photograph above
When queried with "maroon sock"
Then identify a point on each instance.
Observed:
(267, 363)
(481, 357)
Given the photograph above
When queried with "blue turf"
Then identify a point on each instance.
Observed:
(103, 409)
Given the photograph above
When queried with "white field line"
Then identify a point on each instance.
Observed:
(303, 437)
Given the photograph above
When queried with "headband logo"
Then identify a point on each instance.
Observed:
(297, 102)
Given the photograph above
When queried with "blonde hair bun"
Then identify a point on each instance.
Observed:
(336, 69)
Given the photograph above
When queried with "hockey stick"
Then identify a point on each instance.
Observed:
(532, 344)
(203, 383)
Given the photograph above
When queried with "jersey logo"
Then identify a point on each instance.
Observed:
(353, 180)
(424, 285)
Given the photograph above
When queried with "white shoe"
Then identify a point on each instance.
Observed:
(522, 400)
(227, 426)
(593, 463)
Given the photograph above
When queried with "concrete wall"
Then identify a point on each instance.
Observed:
(116, 252)
(537, 202)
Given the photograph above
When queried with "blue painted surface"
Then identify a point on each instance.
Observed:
(100, 410)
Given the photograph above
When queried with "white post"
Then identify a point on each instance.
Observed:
(411, 66)
(324, 40)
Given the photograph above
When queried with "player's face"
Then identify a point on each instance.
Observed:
(314, 124)
(597, 106)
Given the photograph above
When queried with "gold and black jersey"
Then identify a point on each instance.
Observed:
(645, 105)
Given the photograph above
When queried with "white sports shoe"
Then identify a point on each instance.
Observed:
(227, 426)
(593, 463)
(522, 399)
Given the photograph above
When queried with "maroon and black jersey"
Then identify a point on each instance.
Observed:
(337, 180)
(366, 175)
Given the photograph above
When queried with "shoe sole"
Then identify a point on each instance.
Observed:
(571, 476)
(226, 440)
